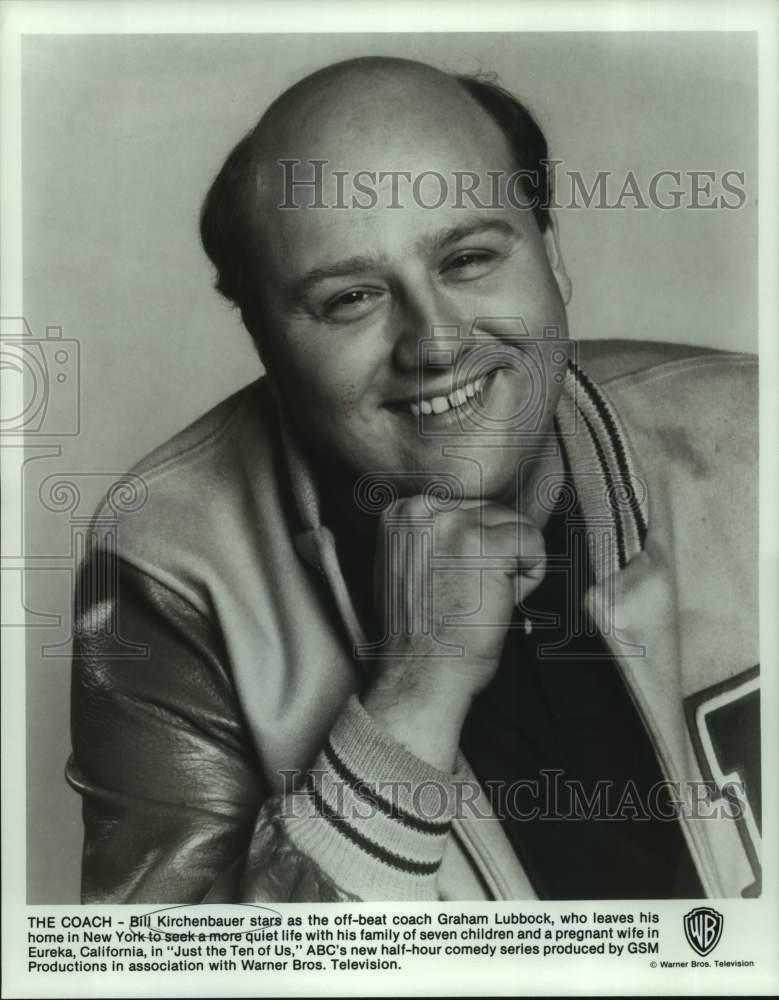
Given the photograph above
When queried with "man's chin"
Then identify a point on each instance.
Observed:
(444, 486)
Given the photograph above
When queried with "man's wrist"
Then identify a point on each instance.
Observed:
(425, 714)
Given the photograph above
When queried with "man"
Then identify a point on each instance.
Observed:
(415, 600)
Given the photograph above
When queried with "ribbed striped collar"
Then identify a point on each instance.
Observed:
(612, 493)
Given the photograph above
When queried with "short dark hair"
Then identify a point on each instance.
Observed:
(225, 231)
(525, 138)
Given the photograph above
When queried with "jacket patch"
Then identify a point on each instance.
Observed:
(724, 725)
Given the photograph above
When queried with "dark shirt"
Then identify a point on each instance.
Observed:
(558, 712)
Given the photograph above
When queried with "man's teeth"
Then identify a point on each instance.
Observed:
(440, 404)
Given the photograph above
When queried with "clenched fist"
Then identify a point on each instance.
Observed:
(445, 587)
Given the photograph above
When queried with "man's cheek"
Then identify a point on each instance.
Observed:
(330, 402)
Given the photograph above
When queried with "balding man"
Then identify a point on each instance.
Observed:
(445, 605)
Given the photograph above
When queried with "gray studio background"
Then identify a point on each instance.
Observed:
(121, 136)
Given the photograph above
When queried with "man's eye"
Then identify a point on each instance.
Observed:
(353, 304)
(470, 264)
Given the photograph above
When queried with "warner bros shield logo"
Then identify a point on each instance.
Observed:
(703, 929)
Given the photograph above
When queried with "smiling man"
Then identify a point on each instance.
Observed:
(445, 605)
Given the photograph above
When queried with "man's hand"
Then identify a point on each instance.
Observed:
(445, 623)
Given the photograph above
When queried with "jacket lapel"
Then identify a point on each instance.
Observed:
(634, 601)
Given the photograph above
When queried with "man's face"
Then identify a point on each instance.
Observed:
(355, 299)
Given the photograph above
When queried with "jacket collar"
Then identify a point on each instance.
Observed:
(611, 490)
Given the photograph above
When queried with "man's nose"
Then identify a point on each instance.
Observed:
(422, 312)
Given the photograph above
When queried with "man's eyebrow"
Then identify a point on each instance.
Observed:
(341, 269)
(472, 227)
(362, 262)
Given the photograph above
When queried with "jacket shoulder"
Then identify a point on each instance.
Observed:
(204, 435)
(203, 493)
(608, 360)
(695, 409)
(685, 377)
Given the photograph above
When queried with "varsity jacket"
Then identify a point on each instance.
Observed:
(218, 739)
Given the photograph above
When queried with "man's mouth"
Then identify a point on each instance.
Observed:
(455, 399)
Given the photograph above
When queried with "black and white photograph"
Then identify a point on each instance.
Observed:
(389, 445)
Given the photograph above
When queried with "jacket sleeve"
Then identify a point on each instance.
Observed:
(176, 805)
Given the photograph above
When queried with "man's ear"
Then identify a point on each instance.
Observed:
(555, 257)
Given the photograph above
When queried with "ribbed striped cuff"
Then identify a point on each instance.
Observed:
(373, 816)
